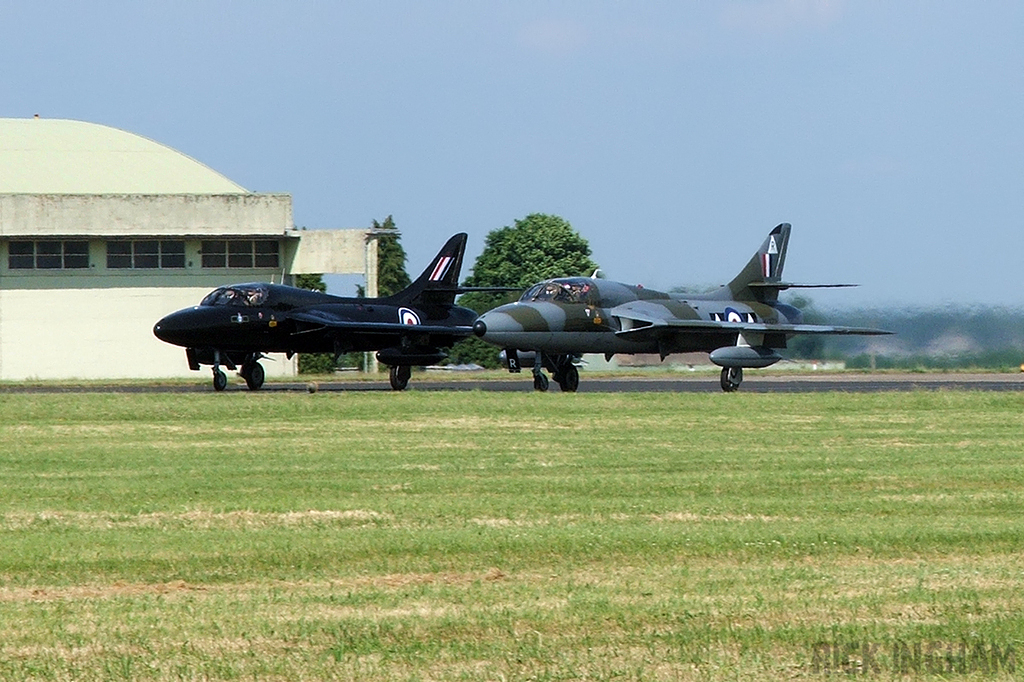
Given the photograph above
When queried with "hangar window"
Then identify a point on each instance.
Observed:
(48, 255)
(146, 254)
(241, 253)
(267, 253)
(215, 254)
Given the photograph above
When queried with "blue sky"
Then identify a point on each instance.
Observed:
(672, 135)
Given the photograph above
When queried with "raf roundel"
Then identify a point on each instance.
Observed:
(407, 316)
(732, 315)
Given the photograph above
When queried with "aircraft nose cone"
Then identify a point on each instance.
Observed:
(495, 325)
(160, 330)
(178, 328)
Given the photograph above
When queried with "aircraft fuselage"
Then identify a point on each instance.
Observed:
(284, 323)
(582, 315)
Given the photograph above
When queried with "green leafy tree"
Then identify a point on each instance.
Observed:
(311, 282)
(391, 274)
(533, 249)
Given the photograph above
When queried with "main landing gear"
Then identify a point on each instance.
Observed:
(563, 371)
(732, 377)
(399, 376)
(251, 370)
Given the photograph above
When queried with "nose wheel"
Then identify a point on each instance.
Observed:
(732, 377)
(220, 380)
(540, 382)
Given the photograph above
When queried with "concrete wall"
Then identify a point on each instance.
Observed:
(97, 333)
(134, 215)
(339, 252)
(95, 322)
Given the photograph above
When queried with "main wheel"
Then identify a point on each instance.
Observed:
(399, 376)
(732, 377)
(254, 376)
(220, 380)
(540, 382)
(569, 379)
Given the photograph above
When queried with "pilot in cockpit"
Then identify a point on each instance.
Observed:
(239, 297)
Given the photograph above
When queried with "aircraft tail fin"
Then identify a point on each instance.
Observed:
(761, 278)
(439, 283)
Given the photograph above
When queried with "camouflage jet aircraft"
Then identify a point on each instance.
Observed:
(742, 324)
(235, 325)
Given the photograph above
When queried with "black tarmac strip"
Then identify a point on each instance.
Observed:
(853, 383)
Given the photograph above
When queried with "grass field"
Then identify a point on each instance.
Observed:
(491, 536)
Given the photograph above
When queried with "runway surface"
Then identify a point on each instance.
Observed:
(703, 383)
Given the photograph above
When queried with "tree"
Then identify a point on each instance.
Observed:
(391, 274)
(533, 249)
(311, 282)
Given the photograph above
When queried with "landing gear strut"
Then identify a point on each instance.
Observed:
(732, 377)
(540, 381)
(563, 371)
(399, 376)
(220, 379)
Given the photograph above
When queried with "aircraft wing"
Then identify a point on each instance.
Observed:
(319, 320)
(659, 328)
(644, 321)
(793, 285)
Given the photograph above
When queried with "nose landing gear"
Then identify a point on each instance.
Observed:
(251, 370)
(220, 379)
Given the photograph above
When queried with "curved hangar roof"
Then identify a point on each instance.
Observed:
(54, 156)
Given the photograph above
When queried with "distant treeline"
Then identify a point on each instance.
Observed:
(952, 337)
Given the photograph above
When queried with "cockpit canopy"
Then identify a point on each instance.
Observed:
(575, 290)
(238, 296)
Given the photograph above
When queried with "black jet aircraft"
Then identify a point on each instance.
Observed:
(741, 324)
(236, 325)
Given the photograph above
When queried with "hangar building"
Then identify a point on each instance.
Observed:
(103, 232)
